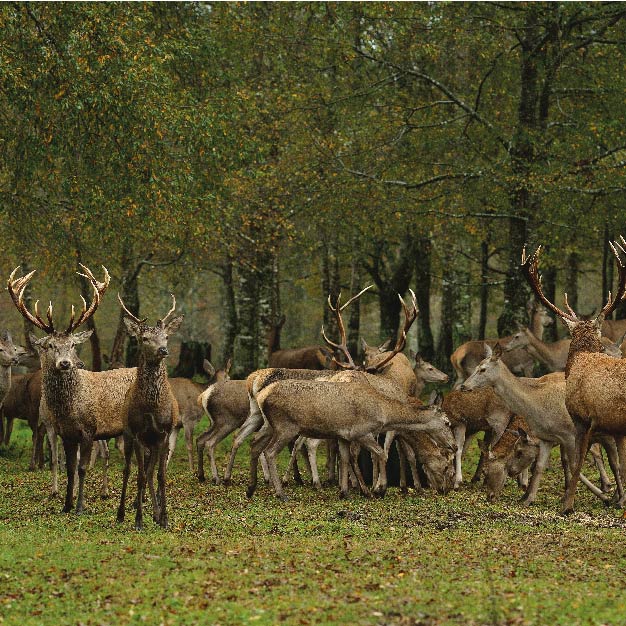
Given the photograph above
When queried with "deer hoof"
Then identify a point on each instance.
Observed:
(380, 493)
(250, 491)
(201, 478)
(227, 482)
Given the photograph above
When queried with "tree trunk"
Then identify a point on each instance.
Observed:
(354, 321)
(445, 345)
(191, 359)
(246, 344)
(484, 287)
(94, 340)
(389, 306)
(330, 285)
(423, 262)
(230, 323)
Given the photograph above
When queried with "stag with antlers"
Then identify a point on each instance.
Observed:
(594, 389)
(81, 406)
(150, 413)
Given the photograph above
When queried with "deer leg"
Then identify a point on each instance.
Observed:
(8, 430)
(582, 443)
(54, 458)
(153, 459)
(220, 432)
(251, 424)
(294, 451)
(278, 441)
(402, 459)
(163, 521)
(259, 443)
(311, 449)
(265, 468)
(33, 456)
(487, 439)
(331, 461)
(188, 428)
(596, 453)
(200, 443)
(128, 458)
(459, 437)
(141, 484)
(540, 464)
(171, 445)
(344, 470)
(297, 478)
(41, 435)
(613, 459)
(85, 458)
(71, 451)
(104, 449)
(522, 479)
(409, 453)
(369, 442)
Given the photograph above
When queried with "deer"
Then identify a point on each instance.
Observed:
(10, 355)
(554, 355)
(468, 355)
(351, 408)
(511, 455)
(542, 403)
(308, 357)
(594, 382)
(81, 406)
(227, 404)
(149, 414)
(186, 392)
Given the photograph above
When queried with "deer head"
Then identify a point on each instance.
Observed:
(57, 348)
(216, 376)
(10, 354)
(423, 370)
(586, 333)
(152, 340)
(487, 371)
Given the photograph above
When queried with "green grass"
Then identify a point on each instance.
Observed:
(410, 560)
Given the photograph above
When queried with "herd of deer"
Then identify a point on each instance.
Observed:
(318, 394)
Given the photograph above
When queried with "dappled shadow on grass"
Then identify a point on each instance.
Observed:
(415, 559)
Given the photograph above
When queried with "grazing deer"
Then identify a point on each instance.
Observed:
(186, 392)
(81, 406)
(554, 355)
(542, 403)
(348, 411)
(308, 357)
(468, 355)
(471, 412)
(594, 382)
(150, 413)
(511, 455)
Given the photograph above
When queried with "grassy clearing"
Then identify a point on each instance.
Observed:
(416, 560)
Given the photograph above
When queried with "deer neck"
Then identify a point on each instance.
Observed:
(536, 327)
(512, 391)
(540, 350)
(60, 388)
(584, 340)
(151, 379)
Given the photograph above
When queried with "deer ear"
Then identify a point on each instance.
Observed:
(571, 325)
(228, 366)
(497, 352)
(488, 350)
(208, 368)
(132, 327)
(6, 336)
(383, 347)
(364, 345)
(174, 325)
(81, 337)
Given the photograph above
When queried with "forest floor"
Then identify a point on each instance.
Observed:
(407, 560)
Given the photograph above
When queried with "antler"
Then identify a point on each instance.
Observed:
(410, 315)
(612, 303)
(128, 313)
(98, 290)
(530, 269)
(16, 288)
(343, 346)
(162, 322)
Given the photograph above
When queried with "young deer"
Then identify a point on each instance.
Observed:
(81, 406)
(468, 355)
(542, 403)
(150, 413)
(594, 387)
(186, 392)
